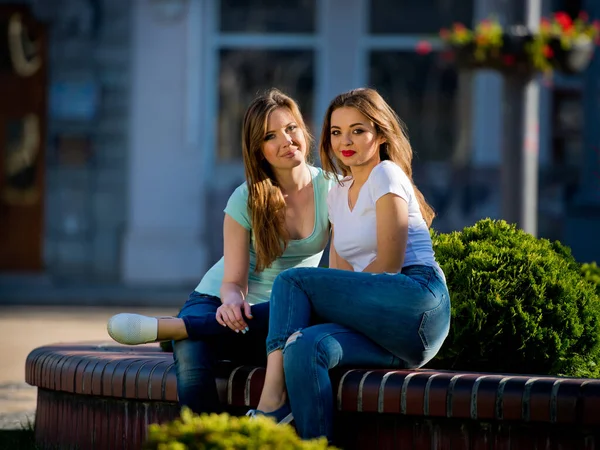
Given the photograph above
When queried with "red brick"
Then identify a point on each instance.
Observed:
(347, 395)
(155, 391)
(413, 393)
(459, 395)
(254, 386)
(436, 403)
(368, 398)
(391, 389)
(537, 405)
(590, 391)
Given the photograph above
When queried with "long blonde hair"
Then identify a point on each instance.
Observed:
(396, 147)
(265, 199)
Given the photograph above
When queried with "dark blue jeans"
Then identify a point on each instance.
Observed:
(370, 320)
(208, 343)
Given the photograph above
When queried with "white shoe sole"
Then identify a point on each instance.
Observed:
(132, 329)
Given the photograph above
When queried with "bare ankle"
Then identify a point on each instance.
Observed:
(171, 328)
(272, 402)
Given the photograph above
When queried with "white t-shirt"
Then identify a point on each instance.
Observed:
(355, 236)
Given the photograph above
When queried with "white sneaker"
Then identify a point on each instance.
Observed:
(132, 329)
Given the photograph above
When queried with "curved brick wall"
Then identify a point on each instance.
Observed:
(98, 396)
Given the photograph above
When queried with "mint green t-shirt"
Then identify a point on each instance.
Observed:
(299, 253)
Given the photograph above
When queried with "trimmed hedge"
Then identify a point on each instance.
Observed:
(224, 432)
(591, 272)
(519, 304)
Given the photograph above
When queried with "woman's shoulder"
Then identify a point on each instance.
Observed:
(388, 171)
(240, 192)
(238, 198)
(324, 178)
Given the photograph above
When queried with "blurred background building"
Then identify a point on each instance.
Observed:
(120, 125)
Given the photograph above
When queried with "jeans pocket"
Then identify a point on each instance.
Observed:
(435, 325)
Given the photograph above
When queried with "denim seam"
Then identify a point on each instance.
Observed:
(279, 342)
(424, 321)
(320, 411)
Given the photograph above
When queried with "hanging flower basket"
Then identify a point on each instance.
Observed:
(560, 44)
(507, 54)
(573, 59)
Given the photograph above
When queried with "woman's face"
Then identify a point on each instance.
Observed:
(284, 144)
(354, 138)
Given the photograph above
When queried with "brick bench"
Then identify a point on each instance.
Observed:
(103, 396)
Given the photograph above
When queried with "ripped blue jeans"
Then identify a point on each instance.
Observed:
(326, 318)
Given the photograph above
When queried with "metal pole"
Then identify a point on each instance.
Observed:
(530, 146)
(519, 177)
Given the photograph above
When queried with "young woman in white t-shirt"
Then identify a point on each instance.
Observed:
(384, 301)
(276, 220)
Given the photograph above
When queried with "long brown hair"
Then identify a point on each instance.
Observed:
(265, 199)
(396, 147)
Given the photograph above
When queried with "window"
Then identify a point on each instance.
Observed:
(267, 16)
(422, 90)
(245, 73)
(417, 16)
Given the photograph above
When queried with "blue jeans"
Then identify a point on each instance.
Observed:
(375, 320)
(208, 342)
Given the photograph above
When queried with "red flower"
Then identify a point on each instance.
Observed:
(509, 60)
(583, 16)
(459, 26)
(597, 24)
(548, 52)
(564, 20)
(423, 48)
(444, 33)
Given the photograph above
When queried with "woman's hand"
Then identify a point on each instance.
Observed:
(231, 314)
(234, 288)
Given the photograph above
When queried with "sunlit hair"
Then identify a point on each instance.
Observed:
(265, 199)
(396, 147)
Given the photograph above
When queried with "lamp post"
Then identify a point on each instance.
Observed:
(520, 146)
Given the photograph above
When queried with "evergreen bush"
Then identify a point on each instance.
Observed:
(224, 432)
(591, 272)
(519, 304)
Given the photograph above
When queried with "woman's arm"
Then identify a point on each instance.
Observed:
(234, 287)
(335, 260)
(392, 233)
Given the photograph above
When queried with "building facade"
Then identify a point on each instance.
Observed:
(145, 100)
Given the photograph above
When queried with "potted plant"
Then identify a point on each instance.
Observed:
(565, 44)
(560, 44)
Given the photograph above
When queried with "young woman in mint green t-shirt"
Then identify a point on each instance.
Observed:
(276, 220)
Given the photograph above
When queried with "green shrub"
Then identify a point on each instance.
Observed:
(221, 431)
(519, 304)
(591, 272)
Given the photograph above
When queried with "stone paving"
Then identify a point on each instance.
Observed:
(23, 328)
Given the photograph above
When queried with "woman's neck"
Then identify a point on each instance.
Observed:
(293, 180)
(361, 173)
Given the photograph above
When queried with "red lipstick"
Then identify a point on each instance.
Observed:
(348, 153)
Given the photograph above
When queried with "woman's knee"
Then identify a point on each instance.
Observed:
(191, 355)
(310, 347)
(286, 279)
